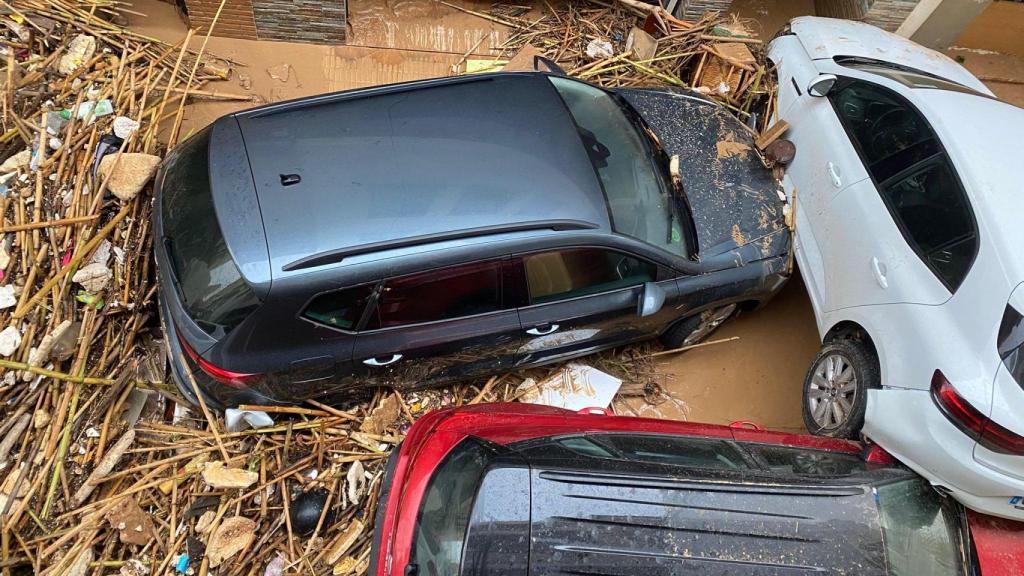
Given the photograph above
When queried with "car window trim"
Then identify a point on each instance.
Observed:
(943, 153)
(524, 288)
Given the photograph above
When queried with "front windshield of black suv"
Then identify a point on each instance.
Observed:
(639, 196)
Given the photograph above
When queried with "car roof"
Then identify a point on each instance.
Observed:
(414, 160)
(828, 38)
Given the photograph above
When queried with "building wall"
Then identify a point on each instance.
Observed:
(886, 14)
(314, 21)
(694, 9)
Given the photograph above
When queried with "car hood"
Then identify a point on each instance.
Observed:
(734, 199)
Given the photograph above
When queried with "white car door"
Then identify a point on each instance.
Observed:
(825, 163)
(906, 234)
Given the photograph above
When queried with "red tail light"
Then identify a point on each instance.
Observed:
(972, 422)
(228, 378)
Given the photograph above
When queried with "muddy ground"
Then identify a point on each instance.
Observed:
(757, 377)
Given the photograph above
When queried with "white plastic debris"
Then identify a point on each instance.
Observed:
(600, 49)
(16, 161)
(102, 253)
(124, 126)
(80, 50)
(8, 297)
(93, 277)
(10, 340)
(575, 387)
(238, 420)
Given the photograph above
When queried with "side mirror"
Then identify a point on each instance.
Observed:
(652, 298)
(821, 85)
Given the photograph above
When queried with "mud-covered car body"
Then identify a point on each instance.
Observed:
(516, 489)
(426, 232)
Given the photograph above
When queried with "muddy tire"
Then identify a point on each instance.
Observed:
(835, 394)
(695, 329)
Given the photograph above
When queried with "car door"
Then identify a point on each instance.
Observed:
(906, 234)
(825, 163)
(578, 300)
(437, 326)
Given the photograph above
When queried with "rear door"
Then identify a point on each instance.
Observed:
(577, 300)
(437, 326)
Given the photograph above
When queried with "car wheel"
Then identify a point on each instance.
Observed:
(690, 331)
(835, 389)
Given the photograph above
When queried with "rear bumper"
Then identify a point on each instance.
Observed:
(910, 427)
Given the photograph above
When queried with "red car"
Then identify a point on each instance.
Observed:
(519, 489)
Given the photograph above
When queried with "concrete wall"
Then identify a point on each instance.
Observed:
(314, 21)
(938, 23)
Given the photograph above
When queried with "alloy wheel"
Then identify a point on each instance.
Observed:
(832, 392)
(709, 323)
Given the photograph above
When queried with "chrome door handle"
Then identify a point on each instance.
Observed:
(379, 362)
(878, 268)
(542, 331)
(833, 172)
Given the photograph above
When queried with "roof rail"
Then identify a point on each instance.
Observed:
(337, 255)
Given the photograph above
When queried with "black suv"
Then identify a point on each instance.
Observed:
(425, 232)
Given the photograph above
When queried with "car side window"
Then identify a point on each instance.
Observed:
(574, 272)
(791, 461)
(442, 294)
(913, 174)
(889, 133)
(340, 309)
(933, 213)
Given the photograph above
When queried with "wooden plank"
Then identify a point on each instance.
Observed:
(771, 134)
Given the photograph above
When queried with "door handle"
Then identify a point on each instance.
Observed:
(878, 268)
(833, 172)
(539, 331)
(381, 361)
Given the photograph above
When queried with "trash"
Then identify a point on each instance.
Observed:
(780, 152)
(93, 277)
(79, 51)
(237, 420)
(133, 171)
(89, 109)
(218, 68)
(124, 126)
(641, 44)
(110, 459)
(282, 72)
(229, 538)
(355, 480)
(245, 81)
(598, 49)
(217, 475)
(8, 297)
(10, 340)
(276, 566)
(480, 66)
(181, 564)
(205, 521)
(344, 541)
(19, 160)
(306, 509)
(90, 299)
(574, 387)
(133, 525)
(382, 417)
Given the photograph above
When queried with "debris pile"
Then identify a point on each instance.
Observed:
(630, 43)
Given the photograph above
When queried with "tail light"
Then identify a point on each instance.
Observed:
(227, 377)
(972, 422)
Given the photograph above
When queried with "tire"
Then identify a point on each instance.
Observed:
(696, 328)
(834, 406)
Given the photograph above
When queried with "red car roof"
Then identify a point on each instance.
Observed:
(1000, 544)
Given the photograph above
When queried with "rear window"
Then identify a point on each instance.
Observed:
(211, 288)
(920, 533)
(341, 309)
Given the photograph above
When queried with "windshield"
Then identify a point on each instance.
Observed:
(907, 76)
(444, 514)
(639, 197)
(920, 534)
(212, 290)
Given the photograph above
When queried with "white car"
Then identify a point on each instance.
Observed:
(910, 238)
